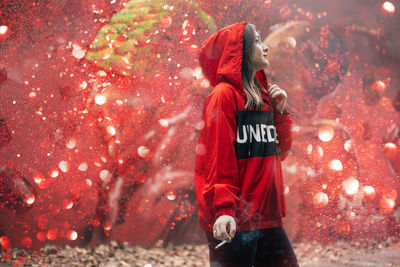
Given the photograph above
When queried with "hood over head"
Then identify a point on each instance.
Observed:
(220, 57)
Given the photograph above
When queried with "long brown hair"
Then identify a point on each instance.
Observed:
(251, 88)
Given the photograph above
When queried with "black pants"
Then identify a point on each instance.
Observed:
(265, 247)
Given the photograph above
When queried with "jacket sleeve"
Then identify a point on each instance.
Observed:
(222, 177)
(283, 123)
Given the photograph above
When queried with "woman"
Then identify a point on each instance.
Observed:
(246, 134)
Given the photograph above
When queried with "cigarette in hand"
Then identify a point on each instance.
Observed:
(220, 244)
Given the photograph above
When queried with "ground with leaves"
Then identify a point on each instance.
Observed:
(113, 254)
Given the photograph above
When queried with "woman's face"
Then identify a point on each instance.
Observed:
(259, 57)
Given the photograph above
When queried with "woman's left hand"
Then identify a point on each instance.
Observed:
(278, 97)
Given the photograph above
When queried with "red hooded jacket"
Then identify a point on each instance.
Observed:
(239, 152)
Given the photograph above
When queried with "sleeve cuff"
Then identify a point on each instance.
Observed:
(225, 211)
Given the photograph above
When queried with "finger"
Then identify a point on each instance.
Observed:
(233, 229)
(272, 92)
(222, 229)
(273, 86)
(216, 232)
(275, 95)
(279, 93)
(224, 234)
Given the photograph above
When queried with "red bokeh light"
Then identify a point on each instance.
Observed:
(388, 7)
(3, 29)
(68, 204)
(29, 199)
(52, 234)
(379, 86)
(387, 201)
(351, 185)
(72, 235)
(26, 242)
(5, 242)
(41, 236)
(326, 133)
(390, 150)
(368, 193)
(320, 199)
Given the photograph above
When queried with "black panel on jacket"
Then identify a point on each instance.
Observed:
(256, 134)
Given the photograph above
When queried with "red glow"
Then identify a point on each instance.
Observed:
(335, 165)
(348, 145)
(3, 29)
(89, 182)
(343, 228)
(71, 143)
(5, 242)
(325, 133)
(42, 221)
(351, 185)
(171, 195)
(52, 234)
(72, 235)
(107, 226)
(83, 167)
(55, 209)
(100, 99)
(41, 236)
(388, 7)
(379, 86)
(105, 175)
(122, 102)
(40, 180)
(26, 242)
(111, 130)
(29, 199)
(32, 94)
(368, 192)
(390, 150)
(164, 122)
(144, 152)
(309, 149)
(291, 41)
(317, 152)
(320, 199)
(68, 204)
(54, 173)
(388, 200)
(78, 52)
(387, 204)
(200, 125)
(64, 166)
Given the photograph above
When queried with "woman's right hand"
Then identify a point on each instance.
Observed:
(278, 97)
(220, 228)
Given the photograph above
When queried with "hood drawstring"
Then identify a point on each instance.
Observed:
(248, 134)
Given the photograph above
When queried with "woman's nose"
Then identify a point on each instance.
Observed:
(266, 48)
